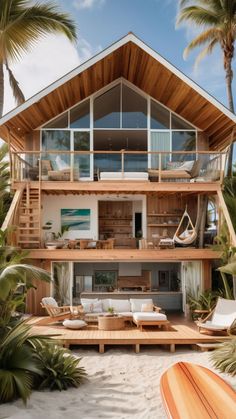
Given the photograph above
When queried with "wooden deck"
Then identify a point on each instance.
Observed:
(179, 334)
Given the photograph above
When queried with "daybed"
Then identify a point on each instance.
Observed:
(140, 311)
(177, 170)
(123, 176)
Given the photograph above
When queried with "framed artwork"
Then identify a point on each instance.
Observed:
(76, 219)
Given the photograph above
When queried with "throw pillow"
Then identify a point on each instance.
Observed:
(88, 307)
(147, 308)
(61, 164)
(74, 324)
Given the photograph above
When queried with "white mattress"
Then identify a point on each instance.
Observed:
(124, 175)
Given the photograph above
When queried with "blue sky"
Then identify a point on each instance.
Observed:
(102, 22)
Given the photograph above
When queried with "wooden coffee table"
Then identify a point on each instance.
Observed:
(111, 323)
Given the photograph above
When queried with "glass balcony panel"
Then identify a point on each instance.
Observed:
(135, 162)
(56, 167)
(107, 162)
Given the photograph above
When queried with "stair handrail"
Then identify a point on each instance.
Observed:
(12, 212)
(227, 217)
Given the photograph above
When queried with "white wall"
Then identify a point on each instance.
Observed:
(52, 205)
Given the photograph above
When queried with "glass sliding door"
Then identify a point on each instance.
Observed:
(160, 141)
(81, 141)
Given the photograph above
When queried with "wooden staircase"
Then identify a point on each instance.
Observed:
(29, 219)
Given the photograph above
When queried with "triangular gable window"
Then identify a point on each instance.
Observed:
(179, 123)
(59, 122)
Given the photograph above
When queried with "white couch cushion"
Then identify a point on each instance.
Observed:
(49, 301)
(88, 307)
(125, 175)
(97, 307)
(74, 324)
(88, 300)
(126, 314)
(120, 305)
(136, 303)
(149, 316)
(105, 304)
(146, 308)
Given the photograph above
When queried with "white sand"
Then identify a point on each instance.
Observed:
(120, 385)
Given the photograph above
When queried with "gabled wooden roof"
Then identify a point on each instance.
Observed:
(133, 60)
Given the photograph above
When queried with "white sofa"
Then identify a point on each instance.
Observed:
(138, 310)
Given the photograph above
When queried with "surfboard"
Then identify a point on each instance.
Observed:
(190, 391)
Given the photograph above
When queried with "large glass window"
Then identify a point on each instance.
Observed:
(134, 109)
(55, 140)
(80, 116)
(82, 162)
(107, 109)
(59, 122)
(178, 123)
(160, 116)
(183, 141)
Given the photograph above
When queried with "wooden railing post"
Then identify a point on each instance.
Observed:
(122, 162)
(159, 166)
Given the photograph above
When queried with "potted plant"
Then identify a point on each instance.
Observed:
(110, 312)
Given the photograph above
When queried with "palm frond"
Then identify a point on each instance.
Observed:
(212, 36)
(17, 92)
(199, 16)
(28, 24)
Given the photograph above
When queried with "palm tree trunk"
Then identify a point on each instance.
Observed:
(229, 78)
(1, 89)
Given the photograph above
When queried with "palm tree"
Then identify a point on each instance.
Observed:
(5, 195)
(21, 25)
(218, 20)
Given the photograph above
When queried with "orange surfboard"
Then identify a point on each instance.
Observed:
(190, 391)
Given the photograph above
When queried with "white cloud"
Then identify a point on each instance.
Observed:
(87, 4)
(51, 59)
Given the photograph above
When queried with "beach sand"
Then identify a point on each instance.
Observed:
(121, 384)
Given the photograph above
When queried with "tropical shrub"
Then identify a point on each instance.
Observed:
(204, 301)
(18, 364)
(60, 368)
(224, 357)
(30, 361)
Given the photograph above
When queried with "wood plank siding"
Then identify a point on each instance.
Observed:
(135, 64)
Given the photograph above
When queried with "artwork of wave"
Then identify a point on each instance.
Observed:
(76, 219)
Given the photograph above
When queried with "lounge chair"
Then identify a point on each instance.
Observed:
(221, 319)
(54, 312)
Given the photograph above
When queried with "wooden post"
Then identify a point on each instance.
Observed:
(172, 348)
(122, 162)
(159, 166)
(101, 348)
(137, 348)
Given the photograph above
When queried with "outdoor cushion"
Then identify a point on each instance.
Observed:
(49, 301)
(97, 307)
(74, 324)
(146, 308)
(136, 303)
(88, 300)
(61, 164)
(120, 305)
(88, 307)
(209, 325)
(126, 314)
(149, 316)
(105, 304)
(224, 313)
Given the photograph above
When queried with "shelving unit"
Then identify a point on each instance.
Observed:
(115, 220)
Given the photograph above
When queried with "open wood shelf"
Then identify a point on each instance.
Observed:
(163, 225)
(164, 215)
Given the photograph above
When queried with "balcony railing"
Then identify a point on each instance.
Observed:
(175, 166)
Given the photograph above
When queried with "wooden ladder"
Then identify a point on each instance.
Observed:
(29, 224)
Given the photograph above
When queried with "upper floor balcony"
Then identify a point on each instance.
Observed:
(122, 166)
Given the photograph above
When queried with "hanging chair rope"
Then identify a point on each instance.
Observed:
(189, 235)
